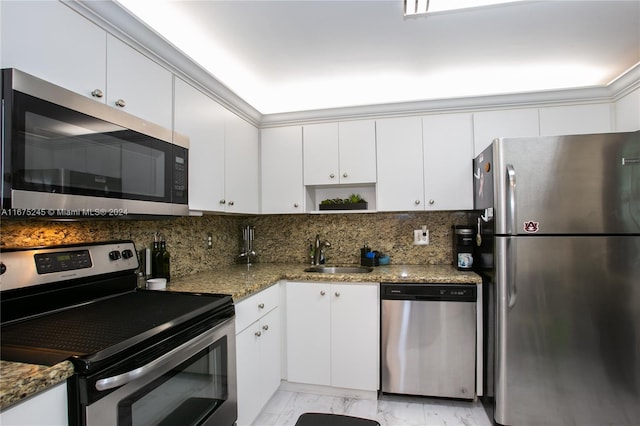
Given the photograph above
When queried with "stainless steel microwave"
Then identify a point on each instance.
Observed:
(65, 155)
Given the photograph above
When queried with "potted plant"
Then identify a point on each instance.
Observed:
(353, 202)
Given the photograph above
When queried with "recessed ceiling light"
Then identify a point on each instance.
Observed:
(417, 7)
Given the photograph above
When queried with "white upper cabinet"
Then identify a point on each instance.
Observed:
(488, 125)
(241, 165)
(400, 185)
(627, 112)
(138, 85)
(340, 153)
(448, 158)
(202, 119)
(281, 164)
(50, 41)
(575, 119)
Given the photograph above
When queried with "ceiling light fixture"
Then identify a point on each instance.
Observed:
(418, 7)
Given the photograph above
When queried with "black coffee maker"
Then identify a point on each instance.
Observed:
(463, 246)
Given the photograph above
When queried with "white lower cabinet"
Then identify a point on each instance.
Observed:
(257, 352)
(48, 407)
(333, 334)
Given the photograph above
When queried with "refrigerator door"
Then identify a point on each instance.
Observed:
(585, 184)
(568, 330)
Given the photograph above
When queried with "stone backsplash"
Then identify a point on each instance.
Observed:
(278, 238)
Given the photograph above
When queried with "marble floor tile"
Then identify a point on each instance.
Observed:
(285, 407)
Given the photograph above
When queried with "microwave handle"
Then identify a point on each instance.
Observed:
(192, 346)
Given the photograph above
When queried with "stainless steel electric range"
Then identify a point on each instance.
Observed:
(141, 357)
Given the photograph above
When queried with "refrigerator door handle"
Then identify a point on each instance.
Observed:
(511, 272)
(511, 200)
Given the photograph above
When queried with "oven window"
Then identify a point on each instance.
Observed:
(63, 151)
(184, 396)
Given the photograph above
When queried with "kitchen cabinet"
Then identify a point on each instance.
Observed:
(488, 125)
(258, 332)
(448, 159)
(241, 166)
(575, 119)
(627, 112)
(400, 185)
(50, 41)
(281, 170)
(340, 153)
(202, 119)
(48, 407)
(333, 334)
(137, 85)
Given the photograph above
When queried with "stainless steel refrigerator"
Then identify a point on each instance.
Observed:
(564, 221)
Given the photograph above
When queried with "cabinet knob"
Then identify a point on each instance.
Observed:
(97, 93)
(332, 175)
(337, 294)
(222, 201)
(265, 327)
(261, 306)
(322, 293)
(121, 103)
(231, 203)
(258, 333)
(296, 205)
(344, 175)
(432, 201)
(417, 202)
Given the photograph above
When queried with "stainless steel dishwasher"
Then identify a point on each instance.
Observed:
(428, 339)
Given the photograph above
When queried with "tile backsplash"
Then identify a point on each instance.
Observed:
(278, 238)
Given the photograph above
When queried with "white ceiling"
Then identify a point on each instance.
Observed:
(297, 55)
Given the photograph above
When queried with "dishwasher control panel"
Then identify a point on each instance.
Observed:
(429, 291)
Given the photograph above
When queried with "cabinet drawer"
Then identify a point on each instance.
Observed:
(256, 306)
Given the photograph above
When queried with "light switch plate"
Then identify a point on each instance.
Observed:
(420, 237)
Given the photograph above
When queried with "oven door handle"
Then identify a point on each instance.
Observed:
(195, 344)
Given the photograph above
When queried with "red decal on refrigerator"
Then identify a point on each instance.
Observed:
(531, 226)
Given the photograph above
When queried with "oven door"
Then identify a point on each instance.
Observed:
(194, 384)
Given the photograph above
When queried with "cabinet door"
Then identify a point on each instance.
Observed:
(357, 151)
(488, 125)
(575, 119)
(50, 41)
(448, 160)
(145, 87)
(48, 407)
(627, 112)
(270, 354)
(249, 370)
(202, 119)
(308, 333)
(241, 165)
(400, 172)
(355, 336)
(281, 161)
(320, 150)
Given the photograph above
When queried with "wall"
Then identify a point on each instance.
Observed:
(279, 238)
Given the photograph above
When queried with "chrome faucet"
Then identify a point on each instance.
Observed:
(318, 250)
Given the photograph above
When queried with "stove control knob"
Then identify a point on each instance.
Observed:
(3, 268)
(127, 254)
(114, 255)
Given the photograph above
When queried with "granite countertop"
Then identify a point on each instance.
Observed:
(18, 381)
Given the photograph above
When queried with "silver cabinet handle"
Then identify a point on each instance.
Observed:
(630, 161)
(231, 203)
(511, 200)
(417, 202)
(344, 175)
(97, 93)
(223, 201)
(322, 293)
(332, 175)
(295, 205)
(432, 201)
(121, 103)
(261, 306)
(258, 333)
(265, 327)
(337, 294)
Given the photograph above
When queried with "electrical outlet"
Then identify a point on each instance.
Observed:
(421, 237)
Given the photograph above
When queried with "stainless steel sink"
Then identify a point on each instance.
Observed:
(340, 269)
